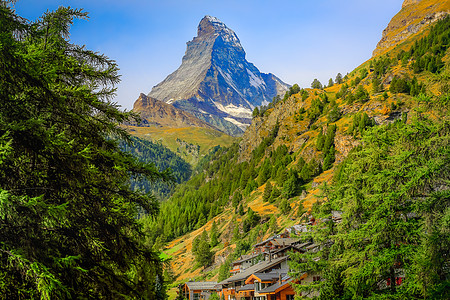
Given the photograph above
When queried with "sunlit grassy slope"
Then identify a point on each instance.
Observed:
(191, 143)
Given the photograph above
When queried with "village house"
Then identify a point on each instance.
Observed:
(261, 281)
(273, 244)
(244, 262)
(284, 251)
(233, 288)
(281, 290)
(262, 275)
(198, 290)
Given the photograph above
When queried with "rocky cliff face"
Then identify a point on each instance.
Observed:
(215, 82)
(412, 18)
(157, 113)
(409, 2)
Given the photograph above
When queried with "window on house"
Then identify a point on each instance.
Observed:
(257, 286)
(289, 297)
(316, 278)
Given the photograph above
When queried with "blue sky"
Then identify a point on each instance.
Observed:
(297, 40)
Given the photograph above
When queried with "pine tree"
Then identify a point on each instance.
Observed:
(330, 82)
(275, 194)
(203, 255)
(319, 143)
(294, 89)
(236, 234)
(267, 192)
(316, 84)
(255, 112)
(214, 234)
(376, 85)
(224, 269)
(290, 187)
(237, 198)
(241, 210)
(264, 172)
(285, 208)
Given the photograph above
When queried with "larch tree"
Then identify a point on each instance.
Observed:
(68, 226)
(339, 79)
(316, 84)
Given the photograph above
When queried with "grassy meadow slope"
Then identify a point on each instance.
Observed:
(178, 130)
(191, 143)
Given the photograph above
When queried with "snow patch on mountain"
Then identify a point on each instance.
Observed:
(235, 111)
(265, 103)
(256, 81)
(229, 79)
(237, 123)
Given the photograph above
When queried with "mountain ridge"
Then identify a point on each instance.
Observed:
(410, 20)
(158, 113)
(215, 81)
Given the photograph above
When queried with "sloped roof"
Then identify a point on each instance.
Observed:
(303, 245)
(296, 247)
(265, 277)
(275, 287)
(244, 258)
(270, 276)
(201, 285)
(247, 287)
(285, 241)
(258, 268)
(265, 241)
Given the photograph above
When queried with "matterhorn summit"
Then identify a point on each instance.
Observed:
(215, 82)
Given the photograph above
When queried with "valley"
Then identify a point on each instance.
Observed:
(299, 145)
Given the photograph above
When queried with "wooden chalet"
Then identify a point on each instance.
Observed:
(259, 276)
(233, 287)
(284, 251)
(198, 290)
(274, 243)
(261, 281)
(244, 262)
(282, 290)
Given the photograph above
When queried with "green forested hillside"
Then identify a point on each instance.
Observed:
(163, 159)
(224, 181)
(372, 147)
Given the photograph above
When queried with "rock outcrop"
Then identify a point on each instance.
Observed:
(215, 82)
(412, 18)
(157, 113)
(409, 2)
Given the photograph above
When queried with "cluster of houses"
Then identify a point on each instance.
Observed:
(264, 274)
(261, 275)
